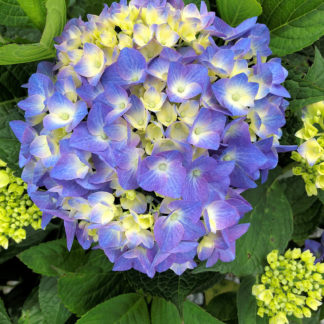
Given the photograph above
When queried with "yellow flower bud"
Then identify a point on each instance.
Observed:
(313, 303)
(272, 256)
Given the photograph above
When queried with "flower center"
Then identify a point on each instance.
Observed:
(181, 89)
(162, 166)
(236, 97)
(174, 217)
(64, 116)
(196, 173)
(104, 136)
(198, 131)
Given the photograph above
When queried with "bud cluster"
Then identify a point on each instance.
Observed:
(310, 154)
(292, 285)
(17, 211)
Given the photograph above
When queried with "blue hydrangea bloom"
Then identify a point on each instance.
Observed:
(143, 135)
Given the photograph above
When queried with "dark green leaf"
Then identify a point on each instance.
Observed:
(81, 8)
(193, 314)
(32, 238)
(163, 312)
(124, 309)
(91, 284)
(11, 14)
(52, 258)
(235, 11)
(4, 318)
(271, 228)
(223, 307)
(31, 312)
(35, 10)
(171, 286)
(306, 210)
(11, 79)
(294, 24)
(246, 303)
(55, 21)
(308, 89)
(50, 304)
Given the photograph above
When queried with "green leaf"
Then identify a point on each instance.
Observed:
(246, 303)
(223, 307)
(11, 79)
(271, 228)
(306, 210)
(31, 312)
(123, 309)
(235, 11)
(11, 14)
(4, 318)
(193, 314)
(171, 286)
(308, 89)
(293, 24)
(35, 10)
(91, 284)
(53, 258)
(55, 21)
(163, 311)
(81, 8)
(32, 238)
(50, 304)
(85, 279)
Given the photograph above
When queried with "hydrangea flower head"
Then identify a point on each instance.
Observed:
(292, 285)
(310, 154)
(142, 136)
(17, 211)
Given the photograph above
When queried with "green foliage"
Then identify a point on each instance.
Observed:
(235, 11)
(271, 228)
(163, 311)
(11, 14)
(223, 307)
(193, 314)
(124, 309)
(50, 304)
(293, 24)
(77, 8)
(35, 10)
(85, 278)
(91, 284)
(309, 88)
(32, 238)
(55, 21)
(171, 286)
(52, 258)
(246, 303)
(4, 318)
(11, 77)
(306, 210)
(31, 312)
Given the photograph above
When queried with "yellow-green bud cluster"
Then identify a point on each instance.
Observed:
(17, 211)
(310, 155)
(292, 285)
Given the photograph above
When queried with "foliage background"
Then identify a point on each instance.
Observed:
(54, 286)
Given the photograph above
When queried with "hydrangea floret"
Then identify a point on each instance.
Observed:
(17, 211)
(292, 285)
(143, 135)
(310, 154)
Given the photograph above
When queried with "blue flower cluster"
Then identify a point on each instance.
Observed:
(143, 135)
